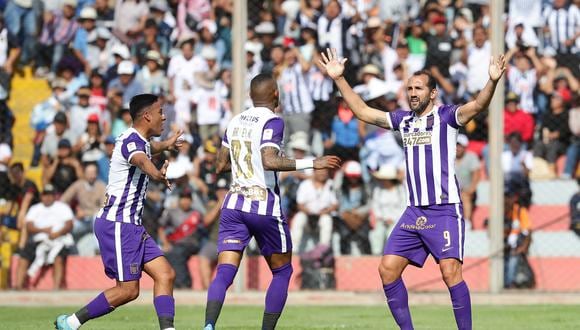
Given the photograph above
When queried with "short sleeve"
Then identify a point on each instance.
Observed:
(273, 133)
(448, 114)
(302, 192)
(225, 141)
(31, 214)
(131, 145)
(66, 213)
(395, 118)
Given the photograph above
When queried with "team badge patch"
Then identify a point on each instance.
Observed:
(134, 269)
(268, 133)
(131, 146)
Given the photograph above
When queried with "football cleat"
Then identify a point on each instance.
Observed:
(209, 327)
(61, 323)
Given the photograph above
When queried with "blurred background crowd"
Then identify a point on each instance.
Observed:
(97, 54)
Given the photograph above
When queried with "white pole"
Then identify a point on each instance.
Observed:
(496, 142)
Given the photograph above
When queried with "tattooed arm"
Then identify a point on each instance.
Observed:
(272, 161)
(223, 160)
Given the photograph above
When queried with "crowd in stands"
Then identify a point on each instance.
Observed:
(97, 54)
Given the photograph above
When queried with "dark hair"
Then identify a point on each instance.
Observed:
(141, 102)
(431, 82)
(260, 80)
(17, 165)
(515, 135)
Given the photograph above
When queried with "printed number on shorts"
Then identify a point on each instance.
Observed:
(237, 150)
(447, 237)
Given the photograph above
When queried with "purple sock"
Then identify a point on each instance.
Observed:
(278, 289)
(165, 308)
(216, 293)
(461, 305)
(96, 308)
(222, 281)
(398, 301)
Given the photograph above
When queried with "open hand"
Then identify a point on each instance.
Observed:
(327, 162)
(164, 173)
(176, 141)
(496, 68)
(332, 64)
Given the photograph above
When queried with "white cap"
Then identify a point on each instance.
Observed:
(209, 53)
(376, 88)
(299, 140)
(265, 28)
(386, 172)
(121, 50)
(352, 168)
(374, 22)
(252, 47)
(88, 13)
(175, 170)
(103, 33)
(210, 25)
(462, 140)
(126, 67)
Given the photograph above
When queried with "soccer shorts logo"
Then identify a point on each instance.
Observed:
(421, 221)
(134, 269)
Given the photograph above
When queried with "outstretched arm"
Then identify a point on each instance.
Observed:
(146, 165)
(469, 110)
(273, 161)
(334, 69)
(173, 143)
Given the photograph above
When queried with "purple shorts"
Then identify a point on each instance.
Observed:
(125, 248)
(237, 227)
(438, 230)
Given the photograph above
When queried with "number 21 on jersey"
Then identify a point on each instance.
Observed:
(237, 147)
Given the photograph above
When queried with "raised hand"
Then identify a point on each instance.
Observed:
(332, 64)
(176, 141)
(164, 172)
(327, 162)
(496, 68)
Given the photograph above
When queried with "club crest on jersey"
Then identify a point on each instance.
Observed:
(421, 221)
(420, 224)
(134, 269)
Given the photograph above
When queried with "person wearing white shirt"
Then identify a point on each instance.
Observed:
(478, 55)
(316, 200)
(516, 161)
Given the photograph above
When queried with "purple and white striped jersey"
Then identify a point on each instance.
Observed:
(127, 183)
(429, 143)
(253, 189)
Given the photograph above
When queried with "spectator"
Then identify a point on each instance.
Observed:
(517, 236)
(122, 122)
(388, 200)
(353, 210)
(49, 224)
(126, 81)
(207, 30)
(316, 201)
(182, 234)
(105, 14)
(517, 120)
(296, 100)
(80, 113)
(5, 158)
(151, 76)
(467, 171)
(564, 43)
(522, 77)
(130, 17)
(204, 173)
(575, 211)
(64, 170)
(152, 41)
(120, 53)
(345, 139)
(516, 162)
(208, 97)
(378, 52)
(58, 131)
(103, 163)
(332, 28)
(439, 47)
(26, 194)
(87, 20)
(477, 57)
(555, 134)
(299, 148)
(98, 98)
(90, 143)
(573, 152)
(88, 194)
(21, 18)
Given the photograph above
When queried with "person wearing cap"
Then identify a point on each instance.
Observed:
(87, 19)
(126, 248)
(126, 81)
(251, 149)
(151, 76)
(555, 134)
(80, 112)
(181, 73)
(89, 145)
(468, 171)
(432, 222)
(98, 52)
(207, 31)
(120, 53)
(523, 76)
(378, 52)
(388, 199)
(58, 31)
(48, 225)
(517, 120)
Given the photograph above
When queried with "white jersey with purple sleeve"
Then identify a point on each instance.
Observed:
(253, 190)
(430, 145)
(127, 183)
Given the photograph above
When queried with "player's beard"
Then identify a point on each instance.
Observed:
(421, 106)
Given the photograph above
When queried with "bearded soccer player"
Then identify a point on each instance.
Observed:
(433, 221)
(251, 150)
(126, 248)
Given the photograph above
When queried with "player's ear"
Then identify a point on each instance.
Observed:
(434, 93)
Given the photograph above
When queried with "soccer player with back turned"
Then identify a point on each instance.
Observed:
(432, 222)
(126, 248)
(251, 150)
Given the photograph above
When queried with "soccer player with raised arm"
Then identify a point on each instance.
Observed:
(251, 149)
(126, 248)
(432, 222)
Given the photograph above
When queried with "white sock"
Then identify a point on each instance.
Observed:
(169, 329)
(73, 322)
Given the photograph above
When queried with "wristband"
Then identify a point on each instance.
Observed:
(302, 164)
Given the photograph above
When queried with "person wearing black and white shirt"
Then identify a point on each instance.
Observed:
(562, 23)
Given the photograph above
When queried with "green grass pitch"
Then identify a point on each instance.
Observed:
(309, 317)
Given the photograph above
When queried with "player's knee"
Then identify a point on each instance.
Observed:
(284, 272)
(387, 272)
(129, 293)
(167, 276)
(451, 274)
